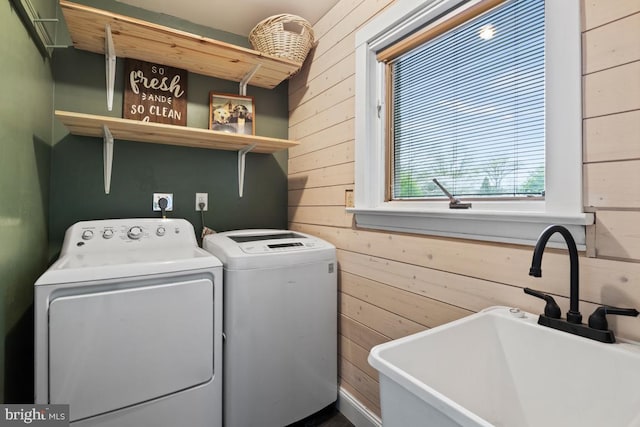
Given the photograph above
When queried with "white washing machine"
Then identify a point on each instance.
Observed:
(280, 322)
(128, 326)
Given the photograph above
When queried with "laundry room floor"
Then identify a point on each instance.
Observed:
(328, 417)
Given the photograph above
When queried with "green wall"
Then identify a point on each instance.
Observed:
(50, 179)
(25, 150)
(140, 169)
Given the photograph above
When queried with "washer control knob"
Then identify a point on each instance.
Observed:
(160, 231)
(135, 232)
(107, 234)
(87, 235)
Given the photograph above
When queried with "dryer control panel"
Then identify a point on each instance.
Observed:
(144, 233)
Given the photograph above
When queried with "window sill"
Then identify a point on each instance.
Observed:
(495, 226)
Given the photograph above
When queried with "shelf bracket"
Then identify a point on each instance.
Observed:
(110, 65)
(245, 80)
(107, 157)
(242, 154)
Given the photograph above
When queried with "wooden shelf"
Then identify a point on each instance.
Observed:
(111, 128)
(114, 35)
(134, 38)
(159, 133)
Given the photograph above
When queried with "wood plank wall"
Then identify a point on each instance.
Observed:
(394, 284)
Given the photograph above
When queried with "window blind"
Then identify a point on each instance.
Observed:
(467, 108)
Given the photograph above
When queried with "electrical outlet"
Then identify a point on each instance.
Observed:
(202, 198)
(158, 196)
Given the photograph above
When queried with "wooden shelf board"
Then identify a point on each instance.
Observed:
(159, 133)
(134, 38)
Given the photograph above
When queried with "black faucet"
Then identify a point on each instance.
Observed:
(597, 328)
(573, 315)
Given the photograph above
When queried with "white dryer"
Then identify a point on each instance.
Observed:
(128, 326)
(280, 317)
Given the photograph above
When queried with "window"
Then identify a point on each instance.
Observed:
(485, 96)
(467, 108)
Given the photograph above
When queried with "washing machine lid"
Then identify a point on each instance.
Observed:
(265, 248)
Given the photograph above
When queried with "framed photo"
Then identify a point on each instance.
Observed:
(232, 113)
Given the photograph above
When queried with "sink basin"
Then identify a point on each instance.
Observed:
(499, 367)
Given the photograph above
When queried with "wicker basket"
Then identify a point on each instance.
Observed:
(286, 36)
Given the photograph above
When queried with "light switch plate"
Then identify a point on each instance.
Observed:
(348, 199)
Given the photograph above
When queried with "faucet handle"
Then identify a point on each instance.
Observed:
(551, 309)
(598, 320)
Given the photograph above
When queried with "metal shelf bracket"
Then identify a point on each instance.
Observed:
(110, 65)
(107, 157)
(245, 80)
(242, 154)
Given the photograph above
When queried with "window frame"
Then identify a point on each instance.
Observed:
(517, 222)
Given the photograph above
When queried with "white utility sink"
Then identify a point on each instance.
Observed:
(499, 367)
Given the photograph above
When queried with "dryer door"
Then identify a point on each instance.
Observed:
(113, 349)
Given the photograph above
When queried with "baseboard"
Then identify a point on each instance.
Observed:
(355, 411)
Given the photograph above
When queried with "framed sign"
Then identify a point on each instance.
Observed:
(232, 113)
(155, 93)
